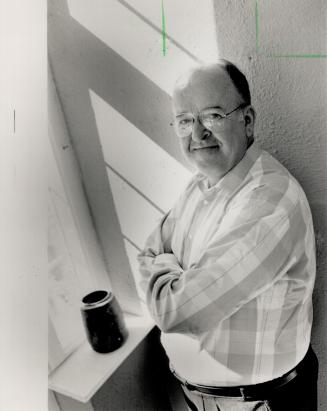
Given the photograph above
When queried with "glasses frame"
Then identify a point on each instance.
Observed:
(200, 120)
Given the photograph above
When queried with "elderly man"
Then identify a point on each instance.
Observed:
(229, 272)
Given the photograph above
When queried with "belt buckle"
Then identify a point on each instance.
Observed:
(244, 396)
(182, 380)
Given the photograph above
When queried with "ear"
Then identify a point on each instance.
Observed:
(249, 116)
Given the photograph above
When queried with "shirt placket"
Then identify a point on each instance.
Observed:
(198, 216)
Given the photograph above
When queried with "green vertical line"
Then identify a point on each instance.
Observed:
(257, 25)
(164, 49)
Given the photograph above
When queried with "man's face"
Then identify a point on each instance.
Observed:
(215, 152)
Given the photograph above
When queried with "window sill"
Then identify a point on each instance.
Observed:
(85, 371)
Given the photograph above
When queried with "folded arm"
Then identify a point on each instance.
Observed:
(253, 248)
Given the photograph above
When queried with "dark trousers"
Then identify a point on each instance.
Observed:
(300, 394)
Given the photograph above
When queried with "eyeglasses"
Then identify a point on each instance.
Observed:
(213, 119)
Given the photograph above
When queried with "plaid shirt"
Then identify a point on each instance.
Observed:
(228, 275)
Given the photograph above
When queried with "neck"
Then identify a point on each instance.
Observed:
(213, 179)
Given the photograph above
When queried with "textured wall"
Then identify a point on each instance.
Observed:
(290, 96)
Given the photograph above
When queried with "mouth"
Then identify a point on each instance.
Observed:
(204, 147)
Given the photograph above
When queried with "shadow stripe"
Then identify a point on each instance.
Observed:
(137, 190)
(157, 29)
(131, 242)
(124, 88)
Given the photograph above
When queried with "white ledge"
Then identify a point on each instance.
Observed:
(85, 371)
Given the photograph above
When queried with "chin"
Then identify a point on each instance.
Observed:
(210, 172)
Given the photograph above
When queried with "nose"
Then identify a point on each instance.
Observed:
(199, 132)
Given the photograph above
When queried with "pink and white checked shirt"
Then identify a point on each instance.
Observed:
(228, 275)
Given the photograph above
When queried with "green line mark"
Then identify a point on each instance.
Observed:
(257, 25)
(317, 56)
(164, 49)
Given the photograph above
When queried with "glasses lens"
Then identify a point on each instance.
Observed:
(184, 125)
(212, 118)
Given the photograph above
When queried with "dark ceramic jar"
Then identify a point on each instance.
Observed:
(103, 320)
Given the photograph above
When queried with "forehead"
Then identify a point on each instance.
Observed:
(204, 88)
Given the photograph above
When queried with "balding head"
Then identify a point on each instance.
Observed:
(214, 72)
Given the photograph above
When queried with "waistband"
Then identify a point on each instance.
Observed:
(253, 392)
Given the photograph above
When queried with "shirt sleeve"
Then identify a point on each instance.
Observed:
(254, 246)
(157, 257)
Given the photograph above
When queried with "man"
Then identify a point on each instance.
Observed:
(229, 271)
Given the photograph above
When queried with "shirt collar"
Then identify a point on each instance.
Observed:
(234, 177)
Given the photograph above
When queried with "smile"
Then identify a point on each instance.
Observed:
(205, 147)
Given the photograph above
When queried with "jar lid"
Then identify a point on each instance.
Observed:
(96, 299)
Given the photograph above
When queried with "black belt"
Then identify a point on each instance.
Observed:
(252, 392)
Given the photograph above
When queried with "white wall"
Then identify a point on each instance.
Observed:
(23, 165)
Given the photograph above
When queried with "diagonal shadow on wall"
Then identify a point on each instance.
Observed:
(80, 61)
